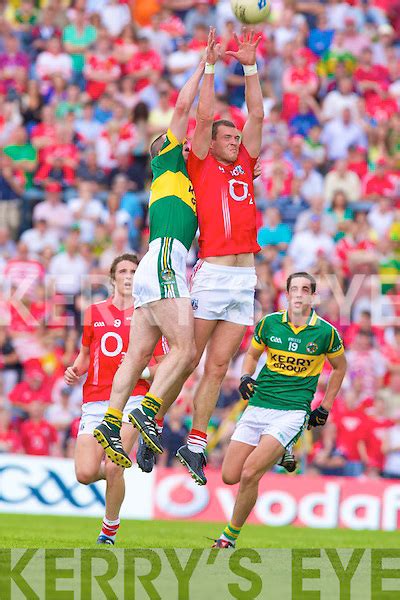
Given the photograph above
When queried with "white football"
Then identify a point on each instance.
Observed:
(251, 11)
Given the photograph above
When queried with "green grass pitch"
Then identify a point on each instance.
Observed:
(36, 531)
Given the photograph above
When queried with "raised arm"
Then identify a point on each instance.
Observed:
(246, 55)
(205, 109)
(180, 118)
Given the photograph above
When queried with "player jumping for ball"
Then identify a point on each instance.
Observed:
(221, 165)
(104, 343)
(296, 342)
(161, 294)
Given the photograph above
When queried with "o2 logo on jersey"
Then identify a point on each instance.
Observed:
(235, 187)
(117, 322)
(118, 343)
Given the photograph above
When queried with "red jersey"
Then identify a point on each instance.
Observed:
(225, 204)
(350, 426)
(10, 441)
(106, 332)
(37, 437)
(374, 431)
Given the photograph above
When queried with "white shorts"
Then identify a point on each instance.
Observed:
(161, 272)
(284, 425)
(93, 413)
(221, 293)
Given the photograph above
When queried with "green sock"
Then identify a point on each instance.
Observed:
(231, 533)
(114, 417)
(151, 405)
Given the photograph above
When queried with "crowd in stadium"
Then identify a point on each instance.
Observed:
(86, 86)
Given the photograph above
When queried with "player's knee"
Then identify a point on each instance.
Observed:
(249, 476)
(85, 475)
(230, 478)
(215, 369)
(113, 471)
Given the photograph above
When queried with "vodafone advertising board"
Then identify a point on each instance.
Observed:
(44, 485)
(323, 502)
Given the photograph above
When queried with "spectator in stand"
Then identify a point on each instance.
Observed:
(77, 37)
(45, 29)
(370, 446)
(337, 100)
(307, 116)
(115, 16)
(200, 14)
(88, 170)
(101, 68)
(22, 271)
(341, 133)
(350, 431)
(145, 66)
(341, 212)
(325, 457)
(366, 360)
(86, 210)
(9, 438)
(293, 205)
(10, 368)
(68, 267)
(14, 64)
(120, 245)
(342, 179)
(274, 236)
(53, 61)
(35, 385)
(181, 63)
(174, 434)
(379, 183)
(7, 245)
(43, 134)
(160, 116)
(391, 449)
(23, 155)
(307, 245)
(381, 216)
(317, 207)
(299, 80)
(39, 238)
(131, 170)
(312, 180)
(59, 161)
(38, 436)
(31, 104)
(54, 211)
(368, 76)
(87, 128)
(12, 182)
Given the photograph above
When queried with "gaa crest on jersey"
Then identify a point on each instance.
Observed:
(167, 276)
(312, 347)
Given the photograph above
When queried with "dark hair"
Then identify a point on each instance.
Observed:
(302, 274)
(220, 123)
(157, 145)
(140, 112)
(127, 256)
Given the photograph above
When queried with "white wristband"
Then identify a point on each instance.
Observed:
(209, 69)
(250, 69)
(145, 373)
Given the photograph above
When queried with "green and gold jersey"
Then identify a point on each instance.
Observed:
(295, 358)
(172, 205)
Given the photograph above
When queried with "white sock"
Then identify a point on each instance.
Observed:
(110, 528)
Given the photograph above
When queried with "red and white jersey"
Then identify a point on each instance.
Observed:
(225, 204)
(106, 332)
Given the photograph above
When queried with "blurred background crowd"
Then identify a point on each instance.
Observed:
(84, 88)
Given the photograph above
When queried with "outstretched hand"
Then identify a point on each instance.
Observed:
(246, 54)
(213, 49)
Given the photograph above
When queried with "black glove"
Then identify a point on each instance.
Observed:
(247, 386)
(318, 416)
